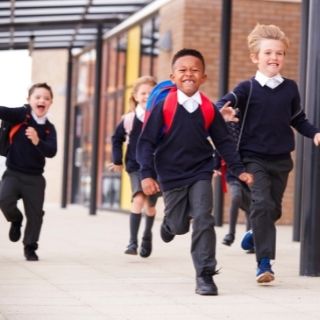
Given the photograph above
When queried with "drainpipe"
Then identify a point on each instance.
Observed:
(95, 124)
(223, 89)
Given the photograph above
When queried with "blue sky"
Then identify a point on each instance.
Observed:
(15, 77)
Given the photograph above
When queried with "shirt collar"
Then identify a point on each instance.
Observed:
(182, 97)
(263, 79)
(39, 120)
(140, 112)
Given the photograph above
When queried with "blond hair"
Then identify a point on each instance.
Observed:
(262, 31)
(140, 81)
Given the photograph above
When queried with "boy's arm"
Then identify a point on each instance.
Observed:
(13, 115)
(235, 99)
(48, 147)
(299, 119)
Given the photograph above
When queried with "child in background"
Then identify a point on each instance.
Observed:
(268, 138)
(183, 161)
(240, 199)
(128, 130)
(34, 140)
(240, 193)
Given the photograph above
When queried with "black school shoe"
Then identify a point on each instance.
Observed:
(228, 239)
(165, 234)
(146, 247)
(205, 285)
(132, 248)
(30, 253)
(15, 231)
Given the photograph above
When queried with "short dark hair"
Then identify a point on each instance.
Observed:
(40, 85)
(188, 52)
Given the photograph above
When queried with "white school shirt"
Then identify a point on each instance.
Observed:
(189, 103)
(272, 82)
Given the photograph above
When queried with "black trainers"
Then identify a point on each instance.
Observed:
(146, 247)
(165, 234)
(30, 254)
(205, 285)
(132, 248)
(15, 231)
(228, 239)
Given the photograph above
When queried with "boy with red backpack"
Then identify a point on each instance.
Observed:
(178, 153)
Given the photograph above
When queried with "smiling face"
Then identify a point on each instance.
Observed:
(142, 94)
(40, 101)
(188, 74)
(270, 58)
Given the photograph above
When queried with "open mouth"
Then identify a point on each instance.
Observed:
(41, 107)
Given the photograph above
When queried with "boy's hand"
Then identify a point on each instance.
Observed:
(150, 186)
(316, 139)
(115, 167)
(32, 134)
(246, 178)
(228, 113)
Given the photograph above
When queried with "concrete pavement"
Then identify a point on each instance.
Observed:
(83, 274)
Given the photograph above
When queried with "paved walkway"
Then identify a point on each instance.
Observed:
(84, 275)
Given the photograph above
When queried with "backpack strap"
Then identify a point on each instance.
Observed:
(208, 110)
(171, 104)
(169, 109)
(245, 114)
(14, 129)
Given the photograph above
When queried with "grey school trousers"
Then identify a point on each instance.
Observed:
(193, 202)
(30, 188)
(270, 181)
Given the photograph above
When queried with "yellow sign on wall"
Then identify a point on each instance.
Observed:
(132, 73)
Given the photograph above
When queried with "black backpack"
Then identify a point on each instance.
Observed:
(6, 129)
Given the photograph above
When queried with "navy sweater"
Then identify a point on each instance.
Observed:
(119, 138)
(271, 113)
(184, 155)
(23, 155)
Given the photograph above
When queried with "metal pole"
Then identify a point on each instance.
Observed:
(223, 88)
(310, 220)
(95, 124)
(64, 195)
(299, 150)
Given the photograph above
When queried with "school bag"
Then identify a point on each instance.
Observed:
(7, 133)
(167, 91)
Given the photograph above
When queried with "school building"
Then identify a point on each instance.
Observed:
(92, 85)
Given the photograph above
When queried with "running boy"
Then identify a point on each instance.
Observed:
(34, 140)
(184, 164)
(128, 130)
(267, 138)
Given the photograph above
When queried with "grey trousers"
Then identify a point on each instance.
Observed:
(270, 181)
(30, 188)
(194, 202)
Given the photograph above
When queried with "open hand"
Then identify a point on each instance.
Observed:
(228, 113)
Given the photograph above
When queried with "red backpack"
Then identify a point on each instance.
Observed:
(167, 91)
